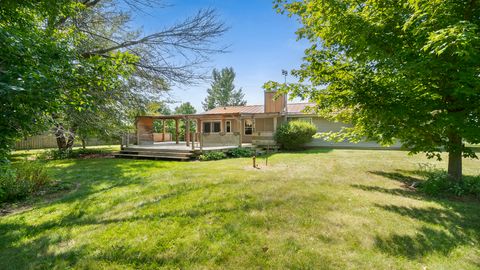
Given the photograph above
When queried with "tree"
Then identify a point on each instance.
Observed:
(104, 26)
(222, 90)
(35, 64)
(185, 108)
(405, 70)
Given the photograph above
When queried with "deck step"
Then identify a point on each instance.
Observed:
(157, 153)
(153, 149)
(122, 155)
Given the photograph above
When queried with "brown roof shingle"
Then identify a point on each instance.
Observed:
(293, 108)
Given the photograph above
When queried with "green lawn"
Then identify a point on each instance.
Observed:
(324, 209)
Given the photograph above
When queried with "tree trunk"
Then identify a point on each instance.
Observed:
(65, 140)
(59, 133)
(84, 143)
(455, 157)
(71, 138)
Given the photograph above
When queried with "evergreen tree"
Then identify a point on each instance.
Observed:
(222, 91)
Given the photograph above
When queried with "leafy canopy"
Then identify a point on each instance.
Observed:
(406, 70)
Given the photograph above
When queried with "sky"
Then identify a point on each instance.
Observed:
(261, 44)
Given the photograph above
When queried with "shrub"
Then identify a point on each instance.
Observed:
(213, 155)
(438, 183)
(19, 181)
(56, 154)
(293, 135)
(240, 152)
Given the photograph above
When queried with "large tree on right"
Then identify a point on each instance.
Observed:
(405, 70)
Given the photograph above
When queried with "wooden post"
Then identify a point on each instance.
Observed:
(201, 141)
(193, 141)
(199, 126)
(274, 124)
(240, 132)
(164, 127)
(187, 131)
(138, 132)
(176, 131)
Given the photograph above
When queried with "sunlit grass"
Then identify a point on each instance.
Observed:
(322, 209)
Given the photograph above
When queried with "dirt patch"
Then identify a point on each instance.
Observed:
(89, 156)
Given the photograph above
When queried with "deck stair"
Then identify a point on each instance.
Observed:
(145, 153)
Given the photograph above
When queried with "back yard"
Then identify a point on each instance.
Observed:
(323, 209)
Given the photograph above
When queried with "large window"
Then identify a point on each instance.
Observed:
(248, 130)
(211, 127)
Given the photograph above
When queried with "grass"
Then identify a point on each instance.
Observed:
(322, 209)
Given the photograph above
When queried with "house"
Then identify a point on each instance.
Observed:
(238, 126)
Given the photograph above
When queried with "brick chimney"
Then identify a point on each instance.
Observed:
(272, 104)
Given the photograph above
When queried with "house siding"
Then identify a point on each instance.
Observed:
(324, 125)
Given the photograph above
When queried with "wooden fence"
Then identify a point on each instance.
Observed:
(49, 141)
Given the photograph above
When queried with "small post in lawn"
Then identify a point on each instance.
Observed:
(266, 158)
(254, 161)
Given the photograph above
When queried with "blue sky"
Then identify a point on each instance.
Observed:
(262, 43)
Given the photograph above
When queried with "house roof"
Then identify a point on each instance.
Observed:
(292, 108)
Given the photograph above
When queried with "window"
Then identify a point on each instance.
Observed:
(228, 126)
(211, 127)
(216, 127)
(248, 130)
(206, 127)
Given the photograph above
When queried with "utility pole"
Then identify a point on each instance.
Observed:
(285, 74)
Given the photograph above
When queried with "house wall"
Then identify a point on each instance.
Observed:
(220, 139)
(324, 125)
(263, 124)
(158, 137)
(274, 105)
(145, 131)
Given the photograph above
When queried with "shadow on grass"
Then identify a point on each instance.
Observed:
(91, 177)
(48, 243)
(309, 151)
(453, 224)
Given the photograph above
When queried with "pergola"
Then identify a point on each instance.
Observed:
(145, 129)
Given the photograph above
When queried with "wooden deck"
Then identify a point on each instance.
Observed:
(170, 150)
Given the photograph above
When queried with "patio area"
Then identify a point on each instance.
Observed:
(182, 146)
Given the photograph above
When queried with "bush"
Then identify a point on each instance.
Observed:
(19, 181)
(213, 155)
(240, 152)
(56, 154)
(295, 134)
(438, 183)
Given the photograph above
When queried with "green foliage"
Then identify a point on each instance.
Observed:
(305, 210)
(22, 179)
(293, 135)
(185, 108)
(438, 183)
(405, 70)
(240, 152)
(222, 91)
(35, 61)
(212, 155)
(56, 154)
